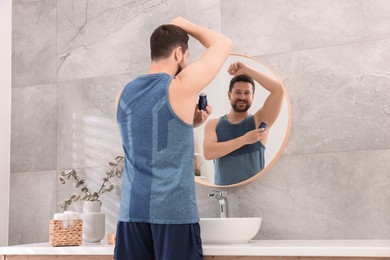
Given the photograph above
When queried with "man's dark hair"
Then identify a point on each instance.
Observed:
(165, 38)
(241, 78)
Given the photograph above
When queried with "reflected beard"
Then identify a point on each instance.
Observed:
(241, 110)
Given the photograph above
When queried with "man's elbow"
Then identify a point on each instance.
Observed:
(225, 45)
(280, 88)
(208, 155)
(229, 45)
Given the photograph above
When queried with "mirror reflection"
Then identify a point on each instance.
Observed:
(249, 125)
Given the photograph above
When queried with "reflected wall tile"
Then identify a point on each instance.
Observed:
(88, 134)
(323, 196)
(94, 179)
(33, 42)
(33, 128)
(32, 209)
(102, 38)
(264, 27)
(339, 97)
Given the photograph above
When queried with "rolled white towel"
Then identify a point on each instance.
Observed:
(67, 217)
(72, 215)
(60, 216)
(63, 217)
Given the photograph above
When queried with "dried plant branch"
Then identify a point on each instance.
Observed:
(116, 170)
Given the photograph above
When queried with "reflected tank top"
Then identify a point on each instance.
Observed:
(242, 163)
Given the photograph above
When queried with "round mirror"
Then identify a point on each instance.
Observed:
(218, 99)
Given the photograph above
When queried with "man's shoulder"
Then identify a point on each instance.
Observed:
(212, 122)
(219, 122)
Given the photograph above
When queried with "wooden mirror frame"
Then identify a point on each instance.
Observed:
(269, 165)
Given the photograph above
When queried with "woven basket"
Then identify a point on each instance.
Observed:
(111, 238)
(62, 236)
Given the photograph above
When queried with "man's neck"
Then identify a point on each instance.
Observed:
(236, 117)
(162, 66)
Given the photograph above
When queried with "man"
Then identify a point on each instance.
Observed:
(235, 141)
(158, 216)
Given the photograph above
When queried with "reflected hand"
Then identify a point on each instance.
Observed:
(254, 136)
(200, 116)
(237, 68)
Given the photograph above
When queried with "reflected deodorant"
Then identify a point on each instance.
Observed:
(202, 103)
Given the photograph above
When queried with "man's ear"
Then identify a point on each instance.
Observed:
(178, 54)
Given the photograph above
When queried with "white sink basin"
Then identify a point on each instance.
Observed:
(217, 231)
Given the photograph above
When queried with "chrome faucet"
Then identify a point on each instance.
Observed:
(217, 194)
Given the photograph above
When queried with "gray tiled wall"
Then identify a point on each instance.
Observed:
(332, 182)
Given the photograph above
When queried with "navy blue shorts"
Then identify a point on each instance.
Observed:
(145, 241)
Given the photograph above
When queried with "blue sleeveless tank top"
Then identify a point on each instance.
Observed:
(242, 163)
(158, 178)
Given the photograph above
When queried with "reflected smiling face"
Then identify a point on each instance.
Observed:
(241, 96)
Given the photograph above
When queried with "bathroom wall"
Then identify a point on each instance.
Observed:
(333, 56)
(71, 57)
(5, 116)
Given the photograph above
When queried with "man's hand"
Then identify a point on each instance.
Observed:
(254, 136)
(237, 68)
(200, 116)
(181, 22)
